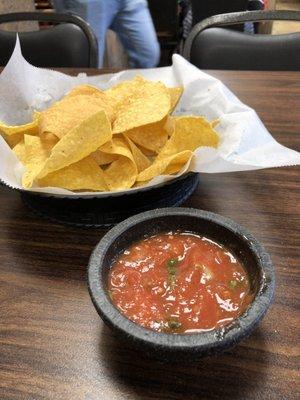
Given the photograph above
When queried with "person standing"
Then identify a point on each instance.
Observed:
(130, 19)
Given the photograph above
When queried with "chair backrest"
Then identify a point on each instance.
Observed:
(205, 9)
(71, 43)
(211, 47)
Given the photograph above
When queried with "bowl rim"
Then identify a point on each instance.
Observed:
(214, 339)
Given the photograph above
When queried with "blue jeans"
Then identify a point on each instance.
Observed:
(130, 19)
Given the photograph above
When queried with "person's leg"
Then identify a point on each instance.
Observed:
(135, 29)
(98, 13)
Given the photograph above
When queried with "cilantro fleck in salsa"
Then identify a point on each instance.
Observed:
(179, 282)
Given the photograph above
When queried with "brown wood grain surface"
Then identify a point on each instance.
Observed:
(54, 346)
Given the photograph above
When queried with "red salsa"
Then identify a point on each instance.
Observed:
(179, 282)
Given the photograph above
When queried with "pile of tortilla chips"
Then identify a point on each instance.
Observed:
(108, 140)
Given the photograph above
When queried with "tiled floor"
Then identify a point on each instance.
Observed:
(280, 27)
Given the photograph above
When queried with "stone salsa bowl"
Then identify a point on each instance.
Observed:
(170, 346)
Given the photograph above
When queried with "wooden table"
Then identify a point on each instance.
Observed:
(53, 345)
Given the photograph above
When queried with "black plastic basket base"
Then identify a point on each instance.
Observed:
(101, 212)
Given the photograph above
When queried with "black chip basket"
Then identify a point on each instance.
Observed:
(101, 210)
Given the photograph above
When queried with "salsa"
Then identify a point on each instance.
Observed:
(179, 282)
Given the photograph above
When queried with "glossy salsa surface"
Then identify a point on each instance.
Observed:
(179, 282)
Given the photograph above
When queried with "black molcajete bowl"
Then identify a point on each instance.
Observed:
(223, 230)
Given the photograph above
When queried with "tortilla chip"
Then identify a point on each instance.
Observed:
(27, 149)
(78, 143)
(175, 94)
(150, 102)
(64, 115)
(13, 140)
(103, 158)
(126, 89)
(85, 90)
(189, 134)
(15, 134)
(140, 184)
(148, 153)
(142, 162)
(27, 129)
(151, 137)
(117, 146)
(167, 165)
(122, 173)
(82, 175)
(49, 137)
(20, 151)
(215, 122)
(32, 152)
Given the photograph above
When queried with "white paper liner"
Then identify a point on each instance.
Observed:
(245, 142)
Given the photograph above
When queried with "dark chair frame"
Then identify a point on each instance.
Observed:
(214, 5)
(236, 18)
(58, 18)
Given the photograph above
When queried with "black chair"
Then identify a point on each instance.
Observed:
(205, 9)
(69, 43)
(210, 47)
